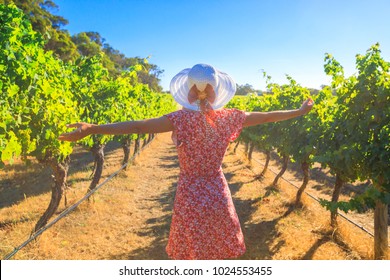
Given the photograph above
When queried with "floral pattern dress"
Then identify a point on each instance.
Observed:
(204, 224)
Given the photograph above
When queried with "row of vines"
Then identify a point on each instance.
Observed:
(40, 94)
(348, 131)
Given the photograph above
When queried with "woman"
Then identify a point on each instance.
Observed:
(204, 221)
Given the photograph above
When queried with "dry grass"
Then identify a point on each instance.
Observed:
(129, 218)
(305, 233)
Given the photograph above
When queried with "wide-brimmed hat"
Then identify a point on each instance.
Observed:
(201, 75)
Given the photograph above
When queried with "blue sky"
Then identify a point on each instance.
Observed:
(239, 37)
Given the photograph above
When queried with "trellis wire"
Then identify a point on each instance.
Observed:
(316, 199)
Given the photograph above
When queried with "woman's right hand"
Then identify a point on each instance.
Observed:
(80, 132)
(307, 105)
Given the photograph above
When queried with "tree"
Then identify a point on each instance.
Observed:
(92, 43)
(244, 89)
(150, 73)
(48, 25)
(86, 45)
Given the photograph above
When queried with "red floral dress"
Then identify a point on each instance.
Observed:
(204, 221)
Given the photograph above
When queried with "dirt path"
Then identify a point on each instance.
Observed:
(130, 216)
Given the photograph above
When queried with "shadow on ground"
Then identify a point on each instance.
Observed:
(28, 180)
(158, 227)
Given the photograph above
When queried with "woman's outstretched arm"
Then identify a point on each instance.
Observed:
(157, 125)
(255, 118)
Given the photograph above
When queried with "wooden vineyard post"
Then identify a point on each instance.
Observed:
(380, 235)
(381, 242)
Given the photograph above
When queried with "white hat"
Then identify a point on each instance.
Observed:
(201, 75)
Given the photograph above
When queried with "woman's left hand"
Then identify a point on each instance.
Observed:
(80, 132)
(307, 105)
